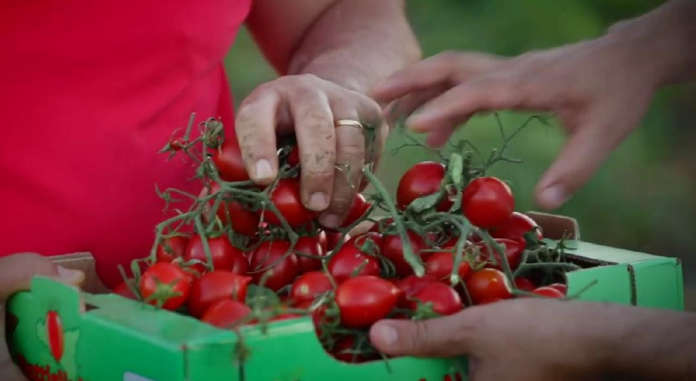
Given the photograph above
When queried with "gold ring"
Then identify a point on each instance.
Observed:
(349, 123)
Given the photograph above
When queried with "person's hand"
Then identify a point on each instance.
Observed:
(16, 272)
(331, 157)
(599, 89)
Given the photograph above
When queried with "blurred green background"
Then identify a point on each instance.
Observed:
(641, 199)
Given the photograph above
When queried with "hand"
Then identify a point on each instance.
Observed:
(599, 89)
(16, 272)
(331, 157)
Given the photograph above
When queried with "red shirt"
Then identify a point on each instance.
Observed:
(89, 92)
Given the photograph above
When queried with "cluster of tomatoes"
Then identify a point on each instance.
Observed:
(248, 238)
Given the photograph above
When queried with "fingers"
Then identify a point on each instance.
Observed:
(442, 337)
(255, 128)
(16, 272)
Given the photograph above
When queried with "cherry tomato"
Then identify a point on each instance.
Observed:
(242, 220)
(54, 331)
(513, 253)
(392, 248)
(443, 298)
(412, 284)
(421, 180)
(439, 265)
(225, 313)
(308, 286)
(171, 248)
(225, 256)
(165, 284)
(228, 160)
(309, 246)
(332, 238)
(286, 197)
(365, 299)
(549, 292)
(350, 258)
(488, 285)
(123, 290)
(560, 287)
(357, 209)
(294, 156)
(487, 202)
(274, 264)
(214, 286)
(381, 225)
(524, 284)
(344, 348)
(516, 227)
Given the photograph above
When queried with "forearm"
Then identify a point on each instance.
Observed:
(357, 43)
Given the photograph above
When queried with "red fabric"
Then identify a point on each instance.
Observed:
(89, 92)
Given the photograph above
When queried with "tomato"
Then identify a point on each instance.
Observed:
(309, 246)
(513, 253)
(524, 284)
(350, 258)
(549, 292)
(225, 256)
(294, 156)
(421, 180)
(286, 197)
(308, 286)
(392, 248)
(214, 286)
(487, 202)
(123, 290)
(560, 287)
(439, 265)
(357, 209)
(412, 284)
(242, 220)
(171, 248)
(365, 299)
(225, 313)
(516, 227)
(488, 285)
(166, 285)
(274, 264)
(332, 238)
(228, 160)
(54, 332)
(443, 298)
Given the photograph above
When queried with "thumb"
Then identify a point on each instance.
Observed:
(441, 337)
(16, 272)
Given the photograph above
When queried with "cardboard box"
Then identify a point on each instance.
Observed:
(108, 338)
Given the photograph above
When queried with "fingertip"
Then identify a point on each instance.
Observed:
(384, 335)
(552, 196)
(263, 172)
(317, 201)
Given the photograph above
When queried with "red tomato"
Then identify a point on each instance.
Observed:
(560, 287)
(439, 265)
(123, 290)
(54, 331)
(294, 156)
(444, 299)
(242, 220)
(214, 286)
(392, 248)
(308, 286)
(171, 248)
(365, 299)
(357, 209)
(488, 285)
(487, 202)
(421, 180)
(225, 256)
(309, 246)
(343, 350)
(225, 313)
(524, 284)
(228, 160)
(412, 284)
(165, 284)
(332, 239)
(549, 292)
(513, 253)
(286, 197)
(516, 227)
(273, 263)
(343, 264)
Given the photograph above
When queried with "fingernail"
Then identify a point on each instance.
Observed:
(553, 196)
(263, 169)
(70, 276)
(318, 201)
(386, 334)
(330, 220)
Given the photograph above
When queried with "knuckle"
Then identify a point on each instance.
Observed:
(349, 150)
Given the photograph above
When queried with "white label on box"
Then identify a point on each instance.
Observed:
(128, 376)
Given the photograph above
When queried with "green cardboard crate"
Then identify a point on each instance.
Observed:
(108, 338)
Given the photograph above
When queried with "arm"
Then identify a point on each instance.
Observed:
(332, 51)
(534, 339)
